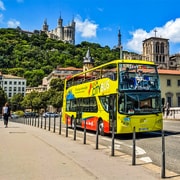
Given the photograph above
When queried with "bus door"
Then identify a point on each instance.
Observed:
(78, 112)
(113, 111)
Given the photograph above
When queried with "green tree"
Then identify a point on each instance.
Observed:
(16, 102)
(57, 84)
(3, 98)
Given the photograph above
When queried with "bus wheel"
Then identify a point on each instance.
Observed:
(101, 127)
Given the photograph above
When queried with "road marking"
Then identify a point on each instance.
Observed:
(140, 151)
(146, 159)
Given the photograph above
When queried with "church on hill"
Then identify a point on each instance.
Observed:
(63, 33)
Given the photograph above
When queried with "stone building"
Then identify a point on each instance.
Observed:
(63, 33)
(156, 49)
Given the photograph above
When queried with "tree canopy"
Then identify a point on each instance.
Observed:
(34, 57)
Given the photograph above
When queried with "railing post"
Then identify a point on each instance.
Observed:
(67, 127)
(35, 121)
(45, 122)
(74, 129)
(38, 120)
(134, 147)
(49, 123)
(84, 131)
(112, 149)
(54, 130)
(41, 120)
(163, 156)
(97, 135)
(60, 119)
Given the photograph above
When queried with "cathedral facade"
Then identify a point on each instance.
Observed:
(63, 33)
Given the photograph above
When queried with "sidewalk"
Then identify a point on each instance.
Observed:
(31, 153)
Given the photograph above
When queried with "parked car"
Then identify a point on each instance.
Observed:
(50, 114)
(31, 114)
(14, 116)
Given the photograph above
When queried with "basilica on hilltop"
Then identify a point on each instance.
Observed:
(63, 33)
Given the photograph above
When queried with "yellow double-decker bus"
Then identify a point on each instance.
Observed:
(124, 92)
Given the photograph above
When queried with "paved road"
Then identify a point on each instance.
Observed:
(28, 153)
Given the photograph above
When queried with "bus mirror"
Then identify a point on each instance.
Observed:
(163, 101)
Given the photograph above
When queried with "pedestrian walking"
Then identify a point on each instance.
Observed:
(6, 112)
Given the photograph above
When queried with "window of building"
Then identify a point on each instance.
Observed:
(10, 88)
(19, 88)
(15, 82)
(14, 88)
(178, 82)
(178, 101)
(163, 58)
(168, 82)
(23, 89)
(5, 82)
(19, 82)
(157, 59)
(157, 47)
(10, 94)
(10, 82)
(162, 48)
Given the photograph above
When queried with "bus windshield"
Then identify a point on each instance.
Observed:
(139, 89)
(138, 77)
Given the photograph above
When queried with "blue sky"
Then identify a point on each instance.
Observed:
(98, 21)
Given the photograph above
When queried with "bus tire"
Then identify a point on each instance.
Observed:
(101, 127)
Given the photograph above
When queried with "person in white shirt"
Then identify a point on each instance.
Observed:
(139, 77)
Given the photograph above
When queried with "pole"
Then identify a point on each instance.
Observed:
(97, 133)
(54, 130)
(112, 149)
(84, 131)
(74, 129)
(163, 156)
(49, 123)
(134, 147)
(60, 124)
(67, 127)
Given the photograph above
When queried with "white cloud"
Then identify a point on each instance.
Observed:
(13, 23)
(87, 28)
(2, 6)
(171, 31)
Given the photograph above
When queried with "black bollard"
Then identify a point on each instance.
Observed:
(45, 122)
(163, 156)
(74, 129)
(112, 149)
(49, 123)
(41, 120)
(67, 127)
(35, 121)
(60, 124)
(38, 120)
(134, 147)
(97, 135)
(54, 130)
(84, 131)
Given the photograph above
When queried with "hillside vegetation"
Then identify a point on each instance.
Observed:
(35, 57)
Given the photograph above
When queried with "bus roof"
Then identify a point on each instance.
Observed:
(123, 61)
